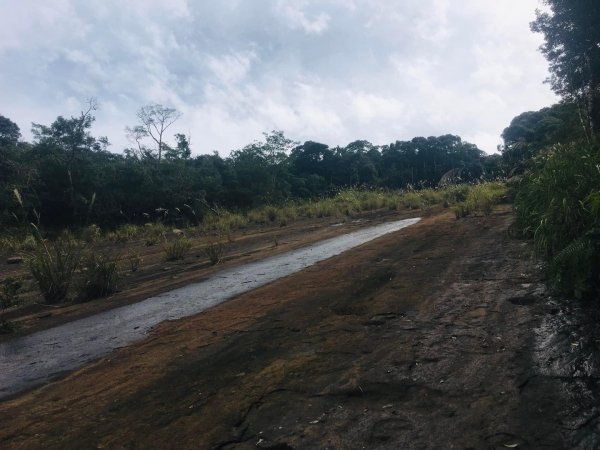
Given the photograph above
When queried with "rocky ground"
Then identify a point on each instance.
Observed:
(441, 335)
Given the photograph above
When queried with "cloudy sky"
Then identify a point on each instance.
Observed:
(327, 70)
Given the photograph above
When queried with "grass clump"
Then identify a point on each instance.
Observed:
(100, 276)
(480, 198)
(462, 210)
(91, 233)
(53, 265)
(483, 197)
(126, 233)
(214, 250)
(177, 249)
(153, 232)
(224, 220)
(412, 200)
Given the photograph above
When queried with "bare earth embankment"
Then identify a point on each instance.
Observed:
(424, 338)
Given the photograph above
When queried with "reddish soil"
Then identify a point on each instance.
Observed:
(421, 339)
(156, 275)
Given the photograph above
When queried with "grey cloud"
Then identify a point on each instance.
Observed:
(333, 70)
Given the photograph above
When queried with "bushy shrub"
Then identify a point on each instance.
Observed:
(558, 205)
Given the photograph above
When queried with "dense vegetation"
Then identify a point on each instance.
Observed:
(67, 177)
(557, 150)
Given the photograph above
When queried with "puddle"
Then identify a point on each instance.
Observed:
(40, 357)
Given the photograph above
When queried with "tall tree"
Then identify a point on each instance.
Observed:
(572, 47)
(154, 121)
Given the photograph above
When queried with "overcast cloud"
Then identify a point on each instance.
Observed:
(328, 70)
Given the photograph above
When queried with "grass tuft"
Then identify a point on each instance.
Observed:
(100, 277)
(53, 265)
(177, 249)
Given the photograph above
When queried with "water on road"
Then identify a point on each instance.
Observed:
(35, 359)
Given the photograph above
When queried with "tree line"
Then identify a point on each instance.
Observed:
(66, 177)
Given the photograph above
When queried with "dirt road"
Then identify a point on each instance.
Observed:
(425, 338)
(33, 360)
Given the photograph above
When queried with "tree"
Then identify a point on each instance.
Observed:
(72, 136)
(181, 150)
(572, 47)
(9, 131)
(136, 135)
(532, 131)
(155, 119)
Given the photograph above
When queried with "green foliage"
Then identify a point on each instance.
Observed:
(9, 288)
(126, 233)
(533, 131)
(483, 197)
(9, 132)
(479, 198)
(558, 205)
(412, 200)
(575, 269)
(571, 37)
(153, 232)
(225, 221)
(214, 249)
(462, 210)
(100, 276)
(177, 249)
(53, 265)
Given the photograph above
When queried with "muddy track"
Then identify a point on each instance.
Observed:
(426, 338)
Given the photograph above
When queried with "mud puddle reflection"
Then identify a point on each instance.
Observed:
(36, 359)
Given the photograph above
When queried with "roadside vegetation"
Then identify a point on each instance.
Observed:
(554, 154)
(89, 263)
(558, 206)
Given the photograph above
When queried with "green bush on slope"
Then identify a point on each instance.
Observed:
(558, 204)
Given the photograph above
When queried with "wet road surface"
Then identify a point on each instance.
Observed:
(35, 359)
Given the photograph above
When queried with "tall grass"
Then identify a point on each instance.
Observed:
(53, 265)
(100, 276)
(558, 205)
(177, 249)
